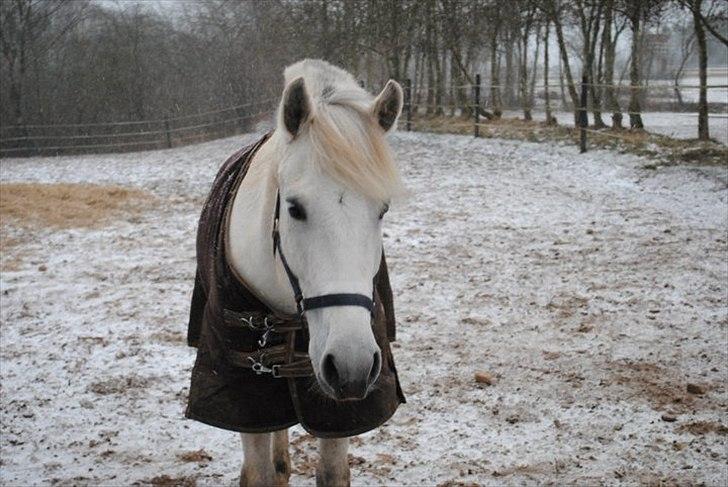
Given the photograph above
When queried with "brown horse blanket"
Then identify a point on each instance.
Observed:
(238, 399)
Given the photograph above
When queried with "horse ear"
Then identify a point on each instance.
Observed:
(297, 106)
(388, 105)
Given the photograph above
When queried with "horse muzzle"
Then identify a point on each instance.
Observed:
(350, 374)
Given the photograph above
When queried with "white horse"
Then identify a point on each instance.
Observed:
(329, 160)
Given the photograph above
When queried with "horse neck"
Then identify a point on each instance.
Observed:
(249, 245)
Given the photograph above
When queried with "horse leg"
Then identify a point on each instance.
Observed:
(281, 458)
(257, 465)
(333, 468)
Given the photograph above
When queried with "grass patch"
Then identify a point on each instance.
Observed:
(29, 205)
(663, 149)
(12, 252)
(26, 208)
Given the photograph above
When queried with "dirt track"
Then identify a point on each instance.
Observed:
(592, 289)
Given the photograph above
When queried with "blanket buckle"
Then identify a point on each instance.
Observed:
(261, 369)
(266, 333)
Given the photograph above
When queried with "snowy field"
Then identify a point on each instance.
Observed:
(592, 289)
(673, 124)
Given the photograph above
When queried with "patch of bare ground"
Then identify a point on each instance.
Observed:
(305, 464)
(12, 252)
(661, 148)
(530, 471)
(174, 337)
(703, 428)
(662, 388)
(169, 481)
(197, 456)
(26, 208)
(118, 385)
(30, 205)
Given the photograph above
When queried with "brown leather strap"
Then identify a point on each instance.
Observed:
(260, 321)
(385, 296)
(301, 368)
(273, 360)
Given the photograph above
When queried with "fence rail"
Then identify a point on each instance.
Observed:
(471, 100)
(158, 133)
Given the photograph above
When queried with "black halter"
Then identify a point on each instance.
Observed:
(323, 301)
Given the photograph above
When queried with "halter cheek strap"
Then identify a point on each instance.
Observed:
(316, 302)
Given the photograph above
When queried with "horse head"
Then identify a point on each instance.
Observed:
(336, 178)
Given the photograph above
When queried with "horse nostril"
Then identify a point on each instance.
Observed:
(376, 365)
(331, 375)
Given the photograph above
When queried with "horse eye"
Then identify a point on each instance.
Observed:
(384, 210)
(297, 212)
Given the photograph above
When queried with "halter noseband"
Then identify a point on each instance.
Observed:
(322, 301)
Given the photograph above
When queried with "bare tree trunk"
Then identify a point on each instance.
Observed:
(523, 69)
(550, 120)
(430, 84)
(454, 83)
(565, 63)
(703, 132)
(416, 82)
(431, 53)
(635, 117)
(597, 89)
(508, 87)
(440, 79)
(534, 71)
(612, 102)
(494, 74)
(562, 88)
(686, 50)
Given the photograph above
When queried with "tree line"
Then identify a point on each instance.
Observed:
(84, 62)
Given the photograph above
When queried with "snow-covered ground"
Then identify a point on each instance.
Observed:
(673, 124)
(592, 289)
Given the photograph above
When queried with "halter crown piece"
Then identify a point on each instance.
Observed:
(315, 302)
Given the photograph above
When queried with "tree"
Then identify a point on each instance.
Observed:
(638, 14)
(686, 35)
(589, 15)
(703, 130)
(701, 23)
(524, 24)
(493, 17)
(554, 9)
(550, 119)
(27, 30)
(609, 45)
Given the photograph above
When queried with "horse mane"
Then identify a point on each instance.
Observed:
(348, 142)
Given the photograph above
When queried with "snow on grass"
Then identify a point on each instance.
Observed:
(679, 125)
(592, 290)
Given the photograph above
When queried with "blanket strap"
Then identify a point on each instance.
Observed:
(272, 361)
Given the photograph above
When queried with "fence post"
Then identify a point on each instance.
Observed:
(166, 129)
(476, 106)
(583, 117)
(408, 96)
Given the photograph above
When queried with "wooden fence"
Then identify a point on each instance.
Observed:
(473, 100)
(60, 139)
